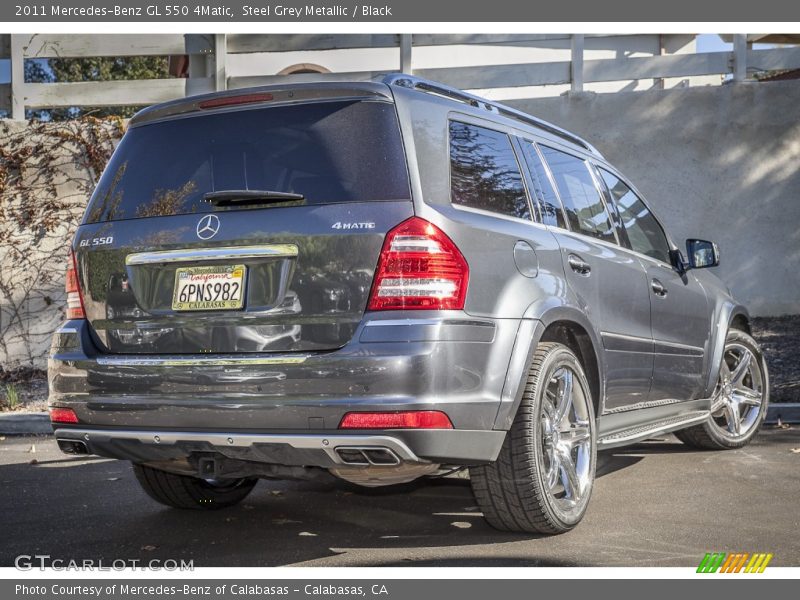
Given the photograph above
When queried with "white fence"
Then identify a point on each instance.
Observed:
(209, 54)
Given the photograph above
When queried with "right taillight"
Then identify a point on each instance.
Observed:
(74, 296)
(419, 268)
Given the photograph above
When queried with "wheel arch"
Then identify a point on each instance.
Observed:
(564, 324)
(730, 316)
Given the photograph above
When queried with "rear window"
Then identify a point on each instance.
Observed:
(484, 172)
(329, 152)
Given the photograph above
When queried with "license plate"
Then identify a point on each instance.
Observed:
(209, 288)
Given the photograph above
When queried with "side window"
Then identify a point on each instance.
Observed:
(582, 201)
(484, 172)
(644, 232)
(548, 200)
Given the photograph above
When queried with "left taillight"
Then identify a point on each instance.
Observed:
(73, 287)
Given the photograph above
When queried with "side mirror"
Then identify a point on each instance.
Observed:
(702, 254)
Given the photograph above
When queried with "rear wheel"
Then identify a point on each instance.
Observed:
(739, 403)
(543, 477)
(183, 491)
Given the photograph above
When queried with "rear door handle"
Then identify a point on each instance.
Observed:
(658, 288)
(578, 265)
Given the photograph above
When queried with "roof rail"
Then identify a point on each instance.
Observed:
(431, 87)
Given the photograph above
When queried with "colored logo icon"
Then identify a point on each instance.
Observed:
(736, 562)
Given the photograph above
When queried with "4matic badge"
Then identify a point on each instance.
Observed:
(346, 225)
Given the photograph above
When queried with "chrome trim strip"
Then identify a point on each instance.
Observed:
(643, 432)
(195, 361)
(67, 330)
(638, 405)
(232, 253)
(325, 443)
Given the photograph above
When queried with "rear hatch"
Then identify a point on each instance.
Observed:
(249, 225)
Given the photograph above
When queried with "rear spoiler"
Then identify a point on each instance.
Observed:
(269, 95)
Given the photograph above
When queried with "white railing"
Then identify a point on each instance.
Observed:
(208, 55)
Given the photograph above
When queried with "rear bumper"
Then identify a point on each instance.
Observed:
(285, 407)
(317, 449)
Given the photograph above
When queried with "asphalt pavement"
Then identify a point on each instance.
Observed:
(654, 504)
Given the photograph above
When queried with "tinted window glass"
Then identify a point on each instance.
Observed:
(484, 172)
(329, 152)
(549, 204)
(644, 232)
(586, 212)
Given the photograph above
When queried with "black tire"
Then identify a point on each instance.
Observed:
(183, 491)
(709, 435)
(513, 492)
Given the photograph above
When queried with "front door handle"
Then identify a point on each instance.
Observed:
(578, 265)
(658, 288)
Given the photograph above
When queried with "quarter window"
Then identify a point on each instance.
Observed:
(550, 205)
(644, 232)
(484, 172)
(586, 212)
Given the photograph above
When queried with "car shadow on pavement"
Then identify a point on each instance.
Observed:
(76, 508)
(93, 508)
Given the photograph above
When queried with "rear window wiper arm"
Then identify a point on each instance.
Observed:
(227, 197)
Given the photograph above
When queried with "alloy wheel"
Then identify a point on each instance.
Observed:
(566, 440)
(739, 393)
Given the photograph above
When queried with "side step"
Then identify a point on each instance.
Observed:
(628, 436)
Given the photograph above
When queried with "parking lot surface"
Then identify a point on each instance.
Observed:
(655, 504)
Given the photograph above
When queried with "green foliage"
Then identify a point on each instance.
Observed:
(12, 396)
(59, 70)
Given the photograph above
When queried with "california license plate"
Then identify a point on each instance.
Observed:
(219, 287)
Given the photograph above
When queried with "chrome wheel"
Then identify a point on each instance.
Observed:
(566, 442)
(739, 394)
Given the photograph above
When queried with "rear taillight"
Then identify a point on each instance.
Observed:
(74, 295)
(63, 415)
(409, 419)
(419, 268)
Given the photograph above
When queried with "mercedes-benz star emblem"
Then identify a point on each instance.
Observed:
(208, 227)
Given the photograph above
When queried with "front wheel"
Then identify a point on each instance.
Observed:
(740, 400)
(543, 477)
(183, 491)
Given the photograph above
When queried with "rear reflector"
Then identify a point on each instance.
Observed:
(73, 287)
(413, 419)
(419, 268)
(234, 100)
(63, 415)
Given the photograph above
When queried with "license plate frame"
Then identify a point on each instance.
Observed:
(208, 276)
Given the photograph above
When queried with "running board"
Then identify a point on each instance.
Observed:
(628, 436)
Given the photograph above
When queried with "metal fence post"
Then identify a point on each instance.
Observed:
(220, 56)
(406, 42)
(17, 77)
(740, 57)
(576, 62)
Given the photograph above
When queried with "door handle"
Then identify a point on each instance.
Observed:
(658, 288)
(578, 265)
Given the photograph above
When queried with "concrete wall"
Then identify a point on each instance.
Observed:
(719, 163)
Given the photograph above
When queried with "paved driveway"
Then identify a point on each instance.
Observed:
(654, 504)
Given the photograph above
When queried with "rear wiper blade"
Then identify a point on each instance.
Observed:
(227, 197)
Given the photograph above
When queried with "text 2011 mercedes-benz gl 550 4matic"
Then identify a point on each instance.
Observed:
(381, 281)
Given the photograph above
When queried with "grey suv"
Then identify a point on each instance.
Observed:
(381, 281)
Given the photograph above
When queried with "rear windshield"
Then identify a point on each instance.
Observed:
(328, 152)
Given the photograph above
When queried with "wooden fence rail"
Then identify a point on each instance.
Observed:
(209, 54)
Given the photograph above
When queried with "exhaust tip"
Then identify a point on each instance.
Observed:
(72, 447)
(360, 456)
